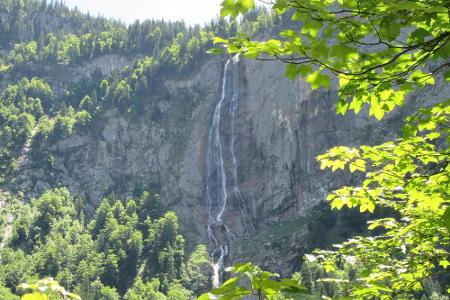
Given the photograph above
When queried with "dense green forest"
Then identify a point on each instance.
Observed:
(32, 38)
(130, 248)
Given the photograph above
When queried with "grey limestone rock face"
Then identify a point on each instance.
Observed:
(61, 76)
(282, 126)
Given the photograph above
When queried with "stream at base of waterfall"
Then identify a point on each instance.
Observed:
(222, 169)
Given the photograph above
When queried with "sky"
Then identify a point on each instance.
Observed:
(191, 11)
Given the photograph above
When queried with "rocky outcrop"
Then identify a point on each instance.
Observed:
(282, 127)
(62, 76)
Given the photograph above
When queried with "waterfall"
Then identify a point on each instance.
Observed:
(222, 168)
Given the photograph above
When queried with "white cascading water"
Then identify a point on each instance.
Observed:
(217, 168)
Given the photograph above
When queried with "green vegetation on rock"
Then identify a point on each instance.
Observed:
(129, 247)
(380, 52)
(56, 84)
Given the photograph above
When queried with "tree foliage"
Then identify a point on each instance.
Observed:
(251, 281)
(46, 289)
(380, 52)
(131, 247)
(409, 176)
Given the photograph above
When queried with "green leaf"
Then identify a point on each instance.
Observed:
(368, 206)
(207, 296)
(373, 225)
(291, 71)
(356, 105)
(317, 80)
(418, 36)
(216, 51)
(234, 7)
(231, 281)
(420, 77)
(444, 263)
(288, 33)
(344, 52)
(247, 5)
(280, 6)
(312, 28)
(298, 16)
(357, 165)
(320, 50)
(342, 106)
(229, 8)
(304, 70)
(223, 289)
(219, 40)
(376, 110)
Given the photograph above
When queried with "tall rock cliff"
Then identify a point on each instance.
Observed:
(281, 126)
